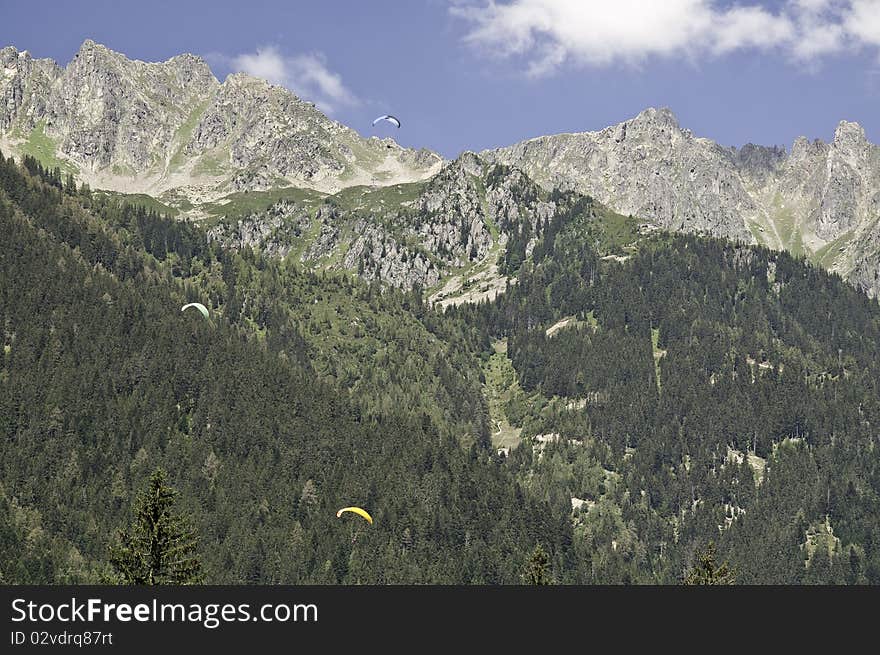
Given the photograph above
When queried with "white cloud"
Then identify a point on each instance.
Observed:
(864, 21)
(265, 63)
(306, 75)
(745, 27)
(550, 33)
(311, 71)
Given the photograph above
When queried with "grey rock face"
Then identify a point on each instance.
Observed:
(759, 163)
(377, 255)
(272, 231)
(328, 238)
(459, 218)
(24, 87)
(865, 272)
(852, 177)
(806, 201)
(647, 167)
(149, 127)
(449, 218)
(513, 201)
(105, 110)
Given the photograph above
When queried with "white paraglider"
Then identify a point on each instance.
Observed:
(388, 117)
(197, 305)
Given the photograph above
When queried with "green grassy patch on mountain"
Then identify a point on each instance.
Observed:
(141, 200)
(500, 387)
(472, 282)
(184, 132)
(829, 253)
(248, 202)
(658, 354)
(820, 535)
(370, 156)
(380, 199)
(212, 163)
(614, 234)
(122, 169)
(787, 227)
(591, 320)
(42, 147)
(762, 236)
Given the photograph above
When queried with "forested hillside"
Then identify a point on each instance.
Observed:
(698, 390)
(104, 379)
(688, 390)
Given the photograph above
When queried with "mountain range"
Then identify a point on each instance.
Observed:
(266, 161)
(821, 200)
(586, 354)
(172, 128)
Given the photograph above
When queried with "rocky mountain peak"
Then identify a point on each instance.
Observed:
(244, 80)
(172, 127)
(11, 52)
(89, 45)
(763, 155)
(850, 138)
(804, 149)
(663, 117)
(849, 129)
(189, 67)
(92, 51)
(193, 66)
(11, 58)
(650, 126)
(469, 162)
(815, 200)
(758, 163)
(647, 166)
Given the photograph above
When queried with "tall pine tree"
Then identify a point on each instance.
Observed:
(159, 547)
(707, 571)
(537, 571)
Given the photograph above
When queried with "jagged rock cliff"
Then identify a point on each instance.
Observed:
(151, 127)
(648, 167)
(865, 271)
(821, 199)
(407, 235)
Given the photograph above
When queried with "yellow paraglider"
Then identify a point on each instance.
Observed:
(358, 511)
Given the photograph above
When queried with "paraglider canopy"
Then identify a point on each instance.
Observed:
(197, 305)
(356, 510)
(388, 117)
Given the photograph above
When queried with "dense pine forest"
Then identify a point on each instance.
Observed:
(709, 390)
(679, 392)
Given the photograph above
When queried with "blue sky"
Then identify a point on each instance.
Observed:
(470, 74)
